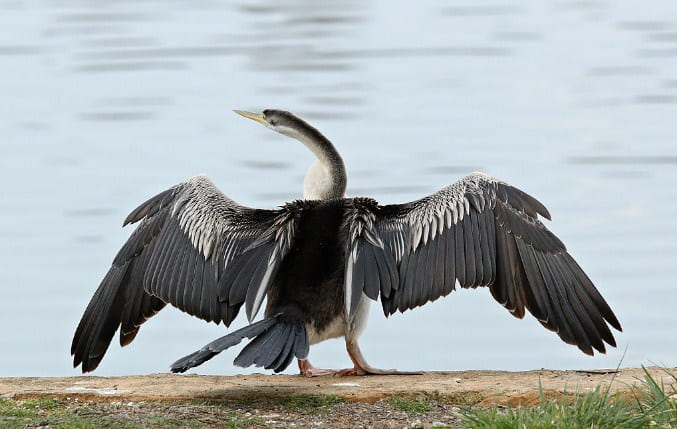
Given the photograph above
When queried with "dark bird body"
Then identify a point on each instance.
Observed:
(310, 280)
(319, 262)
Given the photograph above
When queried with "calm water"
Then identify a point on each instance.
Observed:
(574, 102)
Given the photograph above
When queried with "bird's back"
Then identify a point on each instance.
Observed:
(309, 283)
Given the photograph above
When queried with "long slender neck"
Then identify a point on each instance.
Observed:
(327, 177)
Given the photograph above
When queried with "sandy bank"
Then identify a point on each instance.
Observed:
(465, 387)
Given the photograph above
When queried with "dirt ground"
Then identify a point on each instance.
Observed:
(427, 400)
(465, 387)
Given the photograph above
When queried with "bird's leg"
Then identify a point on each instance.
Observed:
(307, 369)
(362, 367)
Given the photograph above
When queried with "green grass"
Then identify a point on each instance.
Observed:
(410, 405)
(70, 421)
(40, 412)
(48, 412)
(654, 406)
(658, 402)
(10, 408)
(41, 404)
(596, 409)
(238, 421)
(173, 422)
(310, 403)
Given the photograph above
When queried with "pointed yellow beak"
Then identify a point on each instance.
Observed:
(258, 117)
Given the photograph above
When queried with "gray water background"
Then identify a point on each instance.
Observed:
(104, 104)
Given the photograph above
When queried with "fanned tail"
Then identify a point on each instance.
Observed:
(276, 341)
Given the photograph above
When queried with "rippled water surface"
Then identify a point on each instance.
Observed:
(103, 106)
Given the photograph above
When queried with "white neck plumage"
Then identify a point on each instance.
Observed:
(326, 178)
(324, 182)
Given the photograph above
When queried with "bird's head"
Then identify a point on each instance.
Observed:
(281, 121)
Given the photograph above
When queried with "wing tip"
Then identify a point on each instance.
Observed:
(613, 321)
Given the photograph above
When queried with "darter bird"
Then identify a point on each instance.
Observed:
(319, 262)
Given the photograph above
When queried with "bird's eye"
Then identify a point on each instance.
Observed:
(272, 122)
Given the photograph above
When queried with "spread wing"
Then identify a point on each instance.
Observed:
(477, 232)
(195, 249)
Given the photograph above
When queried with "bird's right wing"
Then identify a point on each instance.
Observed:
(477, 232)
(195, 249)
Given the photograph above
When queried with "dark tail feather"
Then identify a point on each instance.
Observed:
(276, 341)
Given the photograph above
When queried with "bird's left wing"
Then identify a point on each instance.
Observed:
(195, 249)
(477, 232)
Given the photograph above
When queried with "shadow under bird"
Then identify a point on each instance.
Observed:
(320, 261)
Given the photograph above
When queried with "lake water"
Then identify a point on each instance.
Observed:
(102, 107)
